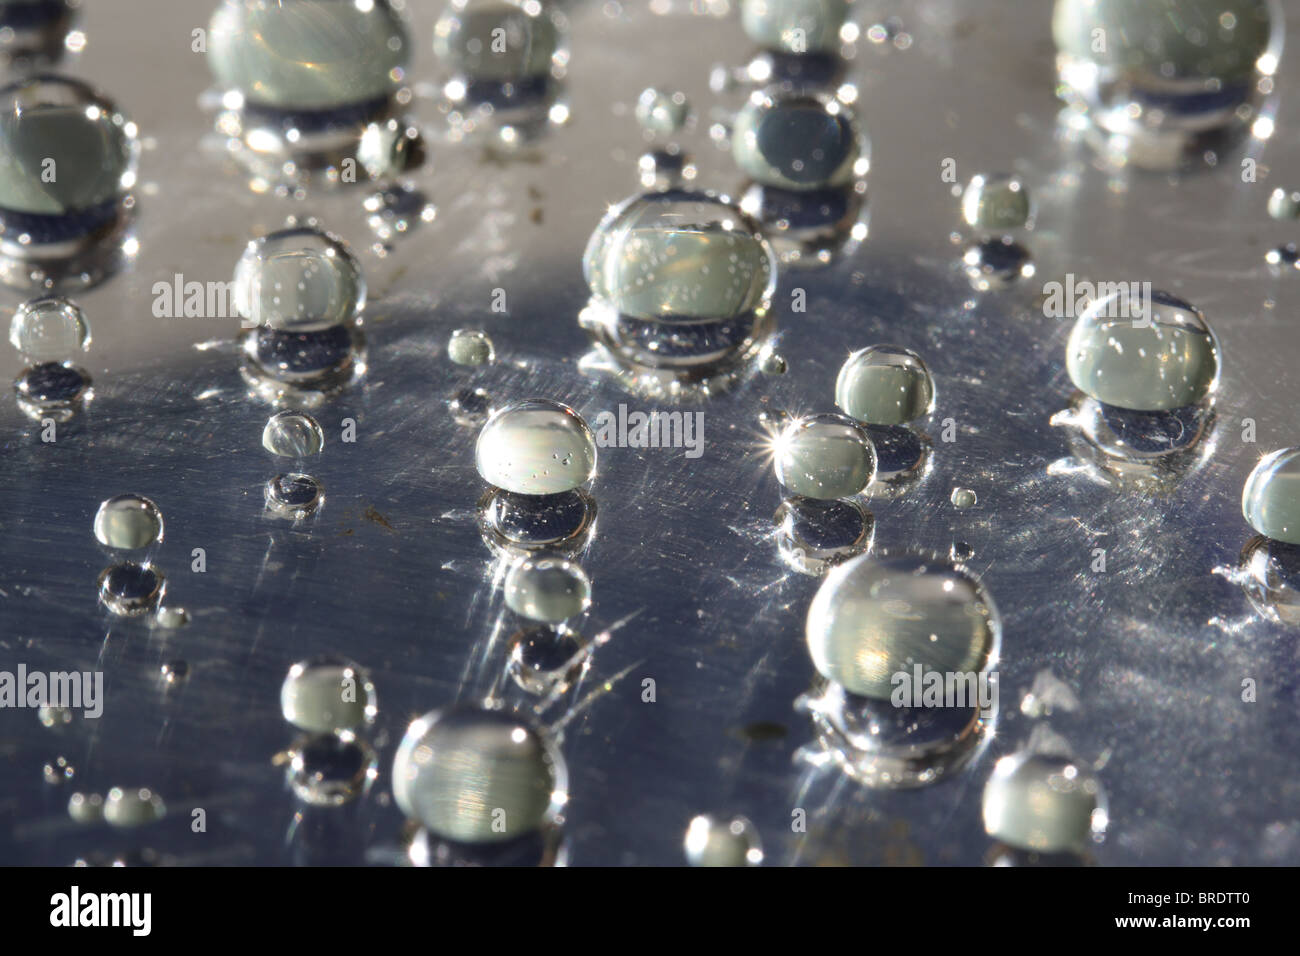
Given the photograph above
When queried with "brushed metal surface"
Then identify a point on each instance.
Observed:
(393, 573)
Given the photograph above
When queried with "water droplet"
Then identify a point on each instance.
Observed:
(960, 552)
(711, 841)
(390, 148)
(515, 524)
(824, 456)
(1163, 89)
(328, 695)
(1284, 204)
(55, 718)
(1048, 694)
(795, 26)
(546, 661)
(329, 770)
(299, 279)
(1164, 361)
(1283, 258)
(884, 385)
(172, 673)
(302, 367)
(536, 447)
(547, 589)
(471, 407)
(395, 210)
(1269, 573)
(49, 329)
(292, 434)
(294, 496)
(52, 390)
(878, 615)
(128, 523)
(86, 808)
(133, 807)
(1270, 499)
(468, 39)
(799, 141)
(963, 498)
(312, 55)
(813, 536)
(662, 112)
(996, 263)
(172, 617)
(679, 256)
(93, 148)
(903, 458)
(477, 776)
(470, 347)
(1044, 803)
(774, 364)
(665, 169)
(1127, 439)
(997, 203)
(130, 590)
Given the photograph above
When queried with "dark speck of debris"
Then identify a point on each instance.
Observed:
(370, 514)
(536, 215)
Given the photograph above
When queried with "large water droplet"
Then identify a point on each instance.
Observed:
(1165, 359)
(1270, 499)
(884, 385)
(794, 26)
(1043, 802)
(799, 141)
(824, 456)
(308, 55)
(328, 695)
(536, 447)
(877, 616)
(479, 776)
(299, 279)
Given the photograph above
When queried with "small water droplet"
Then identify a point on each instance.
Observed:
(546, 661)
(997, 203)
(58, 771)
(127, 807)
(175, 672)
(292, 434)
(470, 347)
(86, 808)
(711, 841)
(662, 112)
(963, 498)
(1284, 258)
(49, 329)
(547, 589)
(1284, 204)
(471, 407)
(172, 617)
(56, 390)
(996, 263)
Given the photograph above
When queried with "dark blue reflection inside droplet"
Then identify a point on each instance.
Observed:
(311, 122)
(825, 525)
(328, 758)
(510, 94)
(544, 650)
(45, 229)
(817, 70)
(804, 142)
(302, 353)
(1002, 256)
(898, 448)
(33, 14)
(52, 382)
(295, 491)
(1153, 432)
(801, 209)
(891, 726)
(530, 849)
(539, 518)
(677, 340)
(131, 582)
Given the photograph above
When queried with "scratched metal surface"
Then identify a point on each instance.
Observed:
(394, 574)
